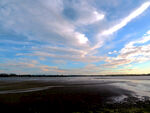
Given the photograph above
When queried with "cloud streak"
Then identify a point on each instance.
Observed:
(102, 36)
(127, 19)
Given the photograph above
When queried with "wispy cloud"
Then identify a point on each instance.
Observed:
(127, 19)
(66, 32)
(132, 53)
(102, 36)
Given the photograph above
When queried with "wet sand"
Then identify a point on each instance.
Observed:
(57, 97)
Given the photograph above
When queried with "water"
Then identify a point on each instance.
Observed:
(139, 85)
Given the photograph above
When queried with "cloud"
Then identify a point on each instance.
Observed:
(40, 21)
(81, 12)
(78, 58)
(28, 67)
(65, 32)
(89, 69)
(112, 52)
(48, 24)
(132, 53)
(59, 51)
(104, 35)
(45, 22)
(127, 19)
(25, 66)
(60, 62)
(148, 32)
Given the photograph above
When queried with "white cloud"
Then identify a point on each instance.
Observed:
(127, 19)
(44, 22)
(104, 35)
(132, 53)
(148, 32)
(41, 21)
(112, 52)
(50, 34)
(81, 38)
(98, 16)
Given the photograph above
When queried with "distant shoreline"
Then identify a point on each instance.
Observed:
(29, 75)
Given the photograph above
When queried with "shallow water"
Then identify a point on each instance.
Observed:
(139, 85)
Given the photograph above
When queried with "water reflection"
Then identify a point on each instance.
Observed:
(140, 85)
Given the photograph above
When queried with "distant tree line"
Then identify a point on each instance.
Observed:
(29, 75)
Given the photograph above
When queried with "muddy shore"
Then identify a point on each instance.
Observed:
(67, 97)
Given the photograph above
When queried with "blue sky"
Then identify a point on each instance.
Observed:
(75, 36)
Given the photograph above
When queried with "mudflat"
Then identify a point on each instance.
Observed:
(65, 96)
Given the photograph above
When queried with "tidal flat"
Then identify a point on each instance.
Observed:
(110, 94)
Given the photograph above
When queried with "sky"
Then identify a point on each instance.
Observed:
(75, 37)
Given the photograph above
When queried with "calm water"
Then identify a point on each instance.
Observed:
(139, 85)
